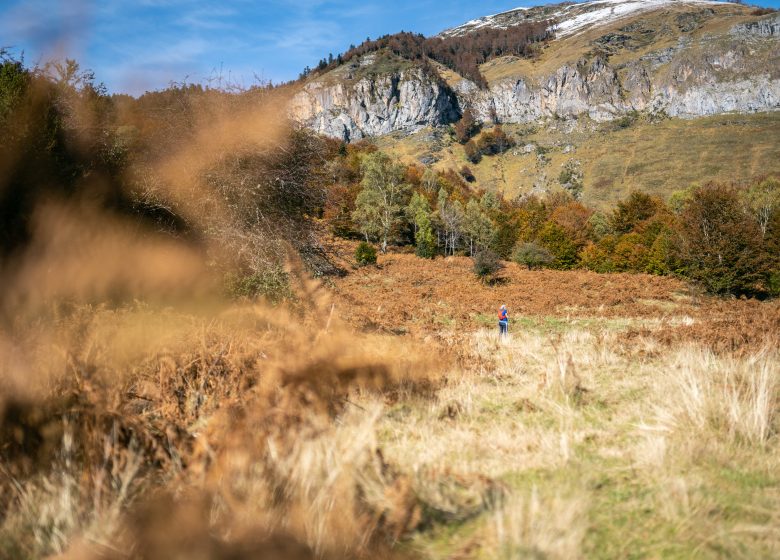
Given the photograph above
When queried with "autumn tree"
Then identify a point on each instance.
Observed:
(574, 218)
(466, 127)
(473, 154)
(430, 181)
(719, 244)
(630, 212)
(417, 210)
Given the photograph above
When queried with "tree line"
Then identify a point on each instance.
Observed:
(725, 238)
(462, 54)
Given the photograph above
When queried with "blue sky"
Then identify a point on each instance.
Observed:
(141, 45)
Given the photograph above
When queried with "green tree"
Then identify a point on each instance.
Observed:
(560, 244)
(430, 181)
(571, 178)
(365, 254)
(424, 239)
(506, 233)
(379, 204)
(417, 209)
(451, 215)
(532, 255)
(14, 81)
(763, 199)
(489, 202)
(630, 253)
(599, 226)
(771, 253)
(659, 258)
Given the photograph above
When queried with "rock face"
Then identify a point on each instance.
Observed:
(372, 106)
(768, 27)
(735, 71)
(590, 88)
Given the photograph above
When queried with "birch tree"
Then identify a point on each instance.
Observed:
(384, 193)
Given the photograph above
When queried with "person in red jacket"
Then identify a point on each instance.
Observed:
(503, 321)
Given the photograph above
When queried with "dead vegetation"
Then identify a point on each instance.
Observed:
(442, 296)
(244, 431)
(248, 411)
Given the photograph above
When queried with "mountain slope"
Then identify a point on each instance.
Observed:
(609, 58)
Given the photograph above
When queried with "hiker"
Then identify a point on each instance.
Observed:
(503, 321)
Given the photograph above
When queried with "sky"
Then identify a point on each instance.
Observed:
(138, 45)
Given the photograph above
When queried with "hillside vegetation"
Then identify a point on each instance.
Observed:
(615, 158)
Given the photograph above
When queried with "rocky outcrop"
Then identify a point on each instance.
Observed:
(591, 87)
(760, 93)
(373, 106)
(737, 71)
(767, 27)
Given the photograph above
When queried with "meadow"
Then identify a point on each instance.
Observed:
(627, 417)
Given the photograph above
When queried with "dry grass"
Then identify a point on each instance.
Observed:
(248, 409)
(593, 448)
(246, 431)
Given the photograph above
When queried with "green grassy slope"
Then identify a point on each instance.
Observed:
(657, 157)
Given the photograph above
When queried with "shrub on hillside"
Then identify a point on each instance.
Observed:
(532, 255)
(466, 127)
(272, 284)
(467, 174)
(473, 154)
(365, 254)
(486, 264)
(494, 142)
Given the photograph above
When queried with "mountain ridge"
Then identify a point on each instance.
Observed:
(683, 59)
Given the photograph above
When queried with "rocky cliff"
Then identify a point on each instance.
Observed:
(375, 104)
(687, 60)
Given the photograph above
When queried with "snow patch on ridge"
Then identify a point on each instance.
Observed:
(572, 18)
(607, 11)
